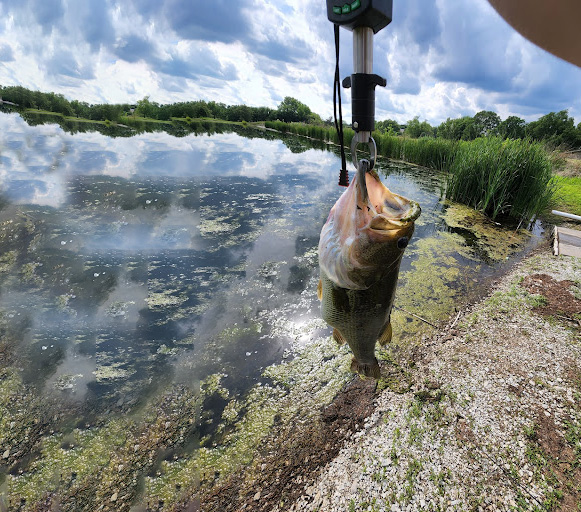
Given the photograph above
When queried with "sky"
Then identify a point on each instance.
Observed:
(441, 58)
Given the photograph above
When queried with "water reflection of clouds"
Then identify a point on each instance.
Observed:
(144, 230)
(72, 376)
(49, 150)
(48, 192)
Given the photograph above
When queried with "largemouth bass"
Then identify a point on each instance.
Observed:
(360, 251)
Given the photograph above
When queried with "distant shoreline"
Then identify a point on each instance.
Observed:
(132, 118)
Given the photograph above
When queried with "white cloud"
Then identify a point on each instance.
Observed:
(442, 58)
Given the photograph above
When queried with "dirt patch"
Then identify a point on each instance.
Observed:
(293, 456)
(562, 467)
(559, 299)
(571, 165)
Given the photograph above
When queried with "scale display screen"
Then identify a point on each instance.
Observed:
(375, 14)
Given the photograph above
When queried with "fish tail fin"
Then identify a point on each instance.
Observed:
(338, 337)
(364, 370)
(320, 289)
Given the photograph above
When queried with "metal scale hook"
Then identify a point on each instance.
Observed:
(372, 152)
(364, 18)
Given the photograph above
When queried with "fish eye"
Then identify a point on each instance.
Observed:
(402, 243)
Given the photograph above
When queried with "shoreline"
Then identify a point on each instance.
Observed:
(494, 401)
(492, 420)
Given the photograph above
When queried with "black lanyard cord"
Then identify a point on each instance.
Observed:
(343, 175)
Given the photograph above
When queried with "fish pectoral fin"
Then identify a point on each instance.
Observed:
(320, 289)
(385, 336)
(366, 370)
(338, 337)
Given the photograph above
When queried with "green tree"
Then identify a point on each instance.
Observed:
(80, 109)
(457, 129)
(292, 110)
(218, 110)
(19, 95)
(413, 128)
(146, 108)
(202, 110)
(239, 113)
(486, 123)
(314, 119)
(263, 114)
(512, 127)
(556, 128)
(387, 126)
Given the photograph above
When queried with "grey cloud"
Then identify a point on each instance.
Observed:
(64, 63)
(408, 84)
(47, 13)
(275, 97)
(292, 50)
(418, 22)
(178, 67)
(208, 82)
(197, 64)
(474, 50)
(272, 68)
(383, 103)
(6, 54)
(133, 48)
(147, 7)
(549, 89)
(174, 84)
(93, 22)
(12, 6)
(226, 21)
(217, 20)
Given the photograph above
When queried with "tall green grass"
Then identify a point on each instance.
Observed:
(311, 130)
(511, 178)
(428, 152)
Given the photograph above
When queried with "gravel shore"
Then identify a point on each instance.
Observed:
(493, 418)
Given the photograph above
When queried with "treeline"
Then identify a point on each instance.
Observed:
(52, 102)
(289, 110)
(555, 128)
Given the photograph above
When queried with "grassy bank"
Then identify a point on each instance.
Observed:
(568, 194)
(512, 178)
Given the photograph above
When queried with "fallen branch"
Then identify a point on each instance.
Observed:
(416, 316)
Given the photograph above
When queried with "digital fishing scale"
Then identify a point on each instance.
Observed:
(364, 18)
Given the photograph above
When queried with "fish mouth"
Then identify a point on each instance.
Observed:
(388, 219)
(385, 212)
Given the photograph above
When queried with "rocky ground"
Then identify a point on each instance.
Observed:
(493, 418)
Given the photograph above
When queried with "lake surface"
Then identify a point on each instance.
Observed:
(131, 263)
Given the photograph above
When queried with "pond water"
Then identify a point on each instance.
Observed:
(131, 263)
